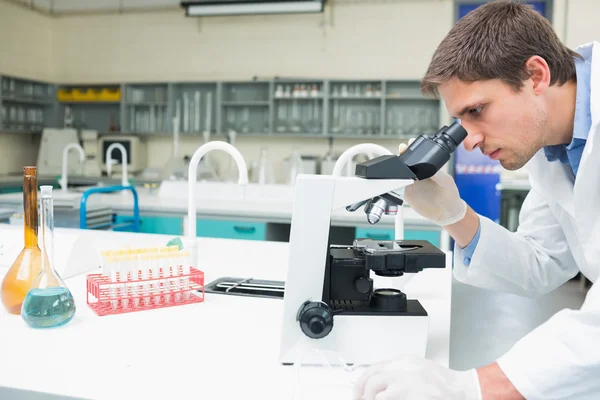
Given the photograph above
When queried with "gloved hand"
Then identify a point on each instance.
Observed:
(436, 198)
(416, 378)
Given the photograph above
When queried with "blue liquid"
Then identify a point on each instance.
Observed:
(47, 308)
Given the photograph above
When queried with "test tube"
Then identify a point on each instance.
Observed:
(114, 278)
(134, 272)
(105, 263)
(145, 268)
(166, 272)
(176, 261)
(186, 273)
(123, 272)
(112, 291)
(155, 270)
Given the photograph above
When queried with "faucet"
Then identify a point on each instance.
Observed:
(110, 161)
(376, 150)
(192, 180)
(64, 178)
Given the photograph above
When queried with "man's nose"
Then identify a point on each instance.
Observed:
(473, 140)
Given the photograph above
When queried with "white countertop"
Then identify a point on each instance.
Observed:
(224, 348)
(274, 208)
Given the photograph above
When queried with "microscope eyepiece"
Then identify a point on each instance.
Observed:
(457, 133)
(450, 137)
(421, 160)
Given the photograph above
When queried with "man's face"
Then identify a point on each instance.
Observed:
(505, 125)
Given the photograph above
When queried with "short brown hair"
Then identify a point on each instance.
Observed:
(493, 42)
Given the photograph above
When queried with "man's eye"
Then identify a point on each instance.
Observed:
(475, 111)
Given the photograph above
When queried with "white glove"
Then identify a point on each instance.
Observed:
(436, 198)
(416, 378)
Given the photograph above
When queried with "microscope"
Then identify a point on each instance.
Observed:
(330, 301)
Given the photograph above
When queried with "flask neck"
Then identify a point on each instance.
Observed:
(30, 208)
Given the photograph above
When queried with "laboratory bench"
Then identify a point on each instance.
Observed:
(232, 218)
(226, 347)
(14, 182)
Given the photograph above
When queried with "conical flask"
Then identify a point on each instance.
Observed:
(27, 266)
(49, 302)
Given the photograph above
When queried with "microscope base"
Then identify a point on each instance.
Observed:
(364, 338)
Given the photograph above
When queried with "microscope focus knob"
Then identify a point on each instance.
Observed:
(363, 285)
(316, 319)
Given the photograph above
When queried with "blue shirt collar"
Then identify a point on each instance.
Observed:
(583, 117)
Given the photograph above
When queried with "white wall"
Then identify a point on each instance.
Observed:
(16, 151)
(26, 43)
(582, 25)
(366, 39)
(25, 51)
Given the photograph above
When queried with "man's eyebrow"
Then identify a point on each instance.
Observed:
(467, 108)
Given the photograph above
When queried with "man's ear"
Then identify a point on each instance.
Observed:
(539, 73)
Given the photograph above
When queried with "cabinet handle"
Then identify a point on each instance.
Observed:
(244, 229)
(378, 236)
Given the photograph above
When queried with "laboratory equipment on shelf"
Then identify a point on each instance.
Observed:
(49, 302)
(332, 302)
(110, 161)
(175, 167)
(190, 240)
(64, 180)
(89, 141)
(144, 279)
(27, 266)
(52, 144)
(134, 147)
(262, 172)
(294, 167)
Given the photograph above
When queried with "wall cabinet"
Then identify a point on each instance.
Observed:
(300, 108)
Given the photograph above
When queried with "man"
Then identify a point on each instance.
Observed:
(524, 98)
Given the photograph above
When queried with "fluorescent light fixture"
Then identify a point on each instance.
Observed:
(201, 9)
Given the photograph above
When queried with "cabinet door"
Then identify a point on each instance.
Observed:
(231, 229)
(156, 224)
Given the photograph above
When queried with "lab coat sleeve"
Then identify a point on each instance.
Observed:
(532, 261)
(560, 359)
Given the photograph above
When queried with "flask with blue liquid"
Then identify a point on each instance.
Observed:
(49, 303)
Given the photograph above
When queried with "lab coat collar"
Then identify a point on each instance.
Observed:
(587, 185)
(555, 179)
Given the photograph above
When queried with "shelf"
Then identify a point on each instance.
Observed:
(299, 135)
(146, 103)
(299, 98)
(20, 131)
(409, 97)
(90, 102)
(355, 97)
(245, 103)
(25, 100)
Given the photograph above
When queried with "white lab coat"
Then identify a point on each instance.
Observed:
(558, 236)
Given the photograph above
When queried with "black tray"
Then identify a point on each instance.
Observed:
(249, 287)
